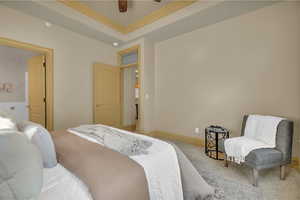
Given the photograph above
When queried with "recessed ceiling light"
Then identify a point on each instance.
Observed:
(115, 44)
(48, 24)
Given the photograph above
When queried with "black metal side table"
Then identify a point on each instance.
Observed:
(212, 136)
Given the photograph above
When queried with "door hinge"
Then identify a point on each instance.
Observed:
(44, 61)
(45, 100)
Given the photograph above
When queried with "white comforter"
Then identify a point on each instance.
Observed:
(160, 165)
(60, 184)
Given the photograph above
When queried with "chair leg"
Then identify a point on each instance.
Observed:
(282, 172)
(226, 161)
(255, 177)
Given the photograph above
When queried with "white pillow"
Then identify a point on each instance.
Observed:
(42, 139)
(7, 124)
(21, 169)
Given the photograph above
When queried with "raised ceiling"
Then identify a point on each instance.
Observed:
(169, 20)
(137, 9)
(140, 12)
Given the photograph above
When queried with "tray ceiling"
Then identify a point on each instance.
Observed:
(140, 12)
(137, 9)
(163, 23)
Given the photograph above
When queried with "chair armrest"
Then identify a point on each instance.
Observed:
(284, 139)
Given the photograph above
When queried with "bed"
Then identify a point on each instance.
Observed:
(58, 180)
(95, 162)
(168, 174)
(158, 163)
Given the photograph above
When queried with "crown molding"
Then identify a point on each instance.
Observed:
(164, 11)
(87, 11)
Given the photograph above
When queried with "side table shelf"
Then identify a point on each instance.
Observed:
(212, 136)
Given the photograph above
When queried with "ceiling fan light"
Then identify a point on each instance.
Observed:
(48, 24)
(122, 5)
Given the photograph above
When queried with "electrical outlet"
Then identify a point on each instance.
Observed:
(196, 130)
(147, 96)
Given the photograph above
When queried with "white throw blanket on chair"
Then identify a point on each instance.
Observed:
(260, 132)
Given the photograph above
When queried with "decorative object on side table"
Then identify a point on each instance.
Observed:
(6, 87)
(212, 136)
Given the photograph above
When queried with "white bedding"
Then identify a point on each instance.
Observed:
(160, 165)
(60, 184)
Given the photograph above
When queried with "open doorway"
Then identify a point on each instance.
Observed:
(129, 61)
(116, 91)
(22, 84)
(130, 97)
(26, 82)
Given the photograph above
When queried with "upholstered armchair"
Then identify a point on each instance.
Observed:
(265, 158)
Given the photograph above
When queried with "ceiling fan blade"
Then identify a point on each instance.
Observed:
(157, 1)
(122, 5)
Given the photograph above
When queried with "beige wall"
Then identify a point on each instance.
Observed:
(215, 75)
(73, 58)
(149, 80)
(13, 65)
(12, 71)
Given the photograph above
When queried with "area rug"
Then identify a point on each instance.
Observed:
(226, 189)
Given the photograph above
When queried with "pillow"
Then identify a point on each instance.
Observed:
(7, 124)
(40, 137)
(21, 169)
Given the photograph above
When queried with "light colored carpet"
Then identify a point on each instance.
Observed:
(234, 183)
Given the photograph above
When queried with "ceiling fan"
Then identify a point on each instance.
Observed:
(123, 5)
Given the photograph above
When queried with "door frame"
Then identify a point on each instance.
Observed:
(136, 48)
(49, 53)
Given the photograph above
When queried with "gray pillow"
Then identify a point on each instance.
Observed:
(21, 170)
(40, 137)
